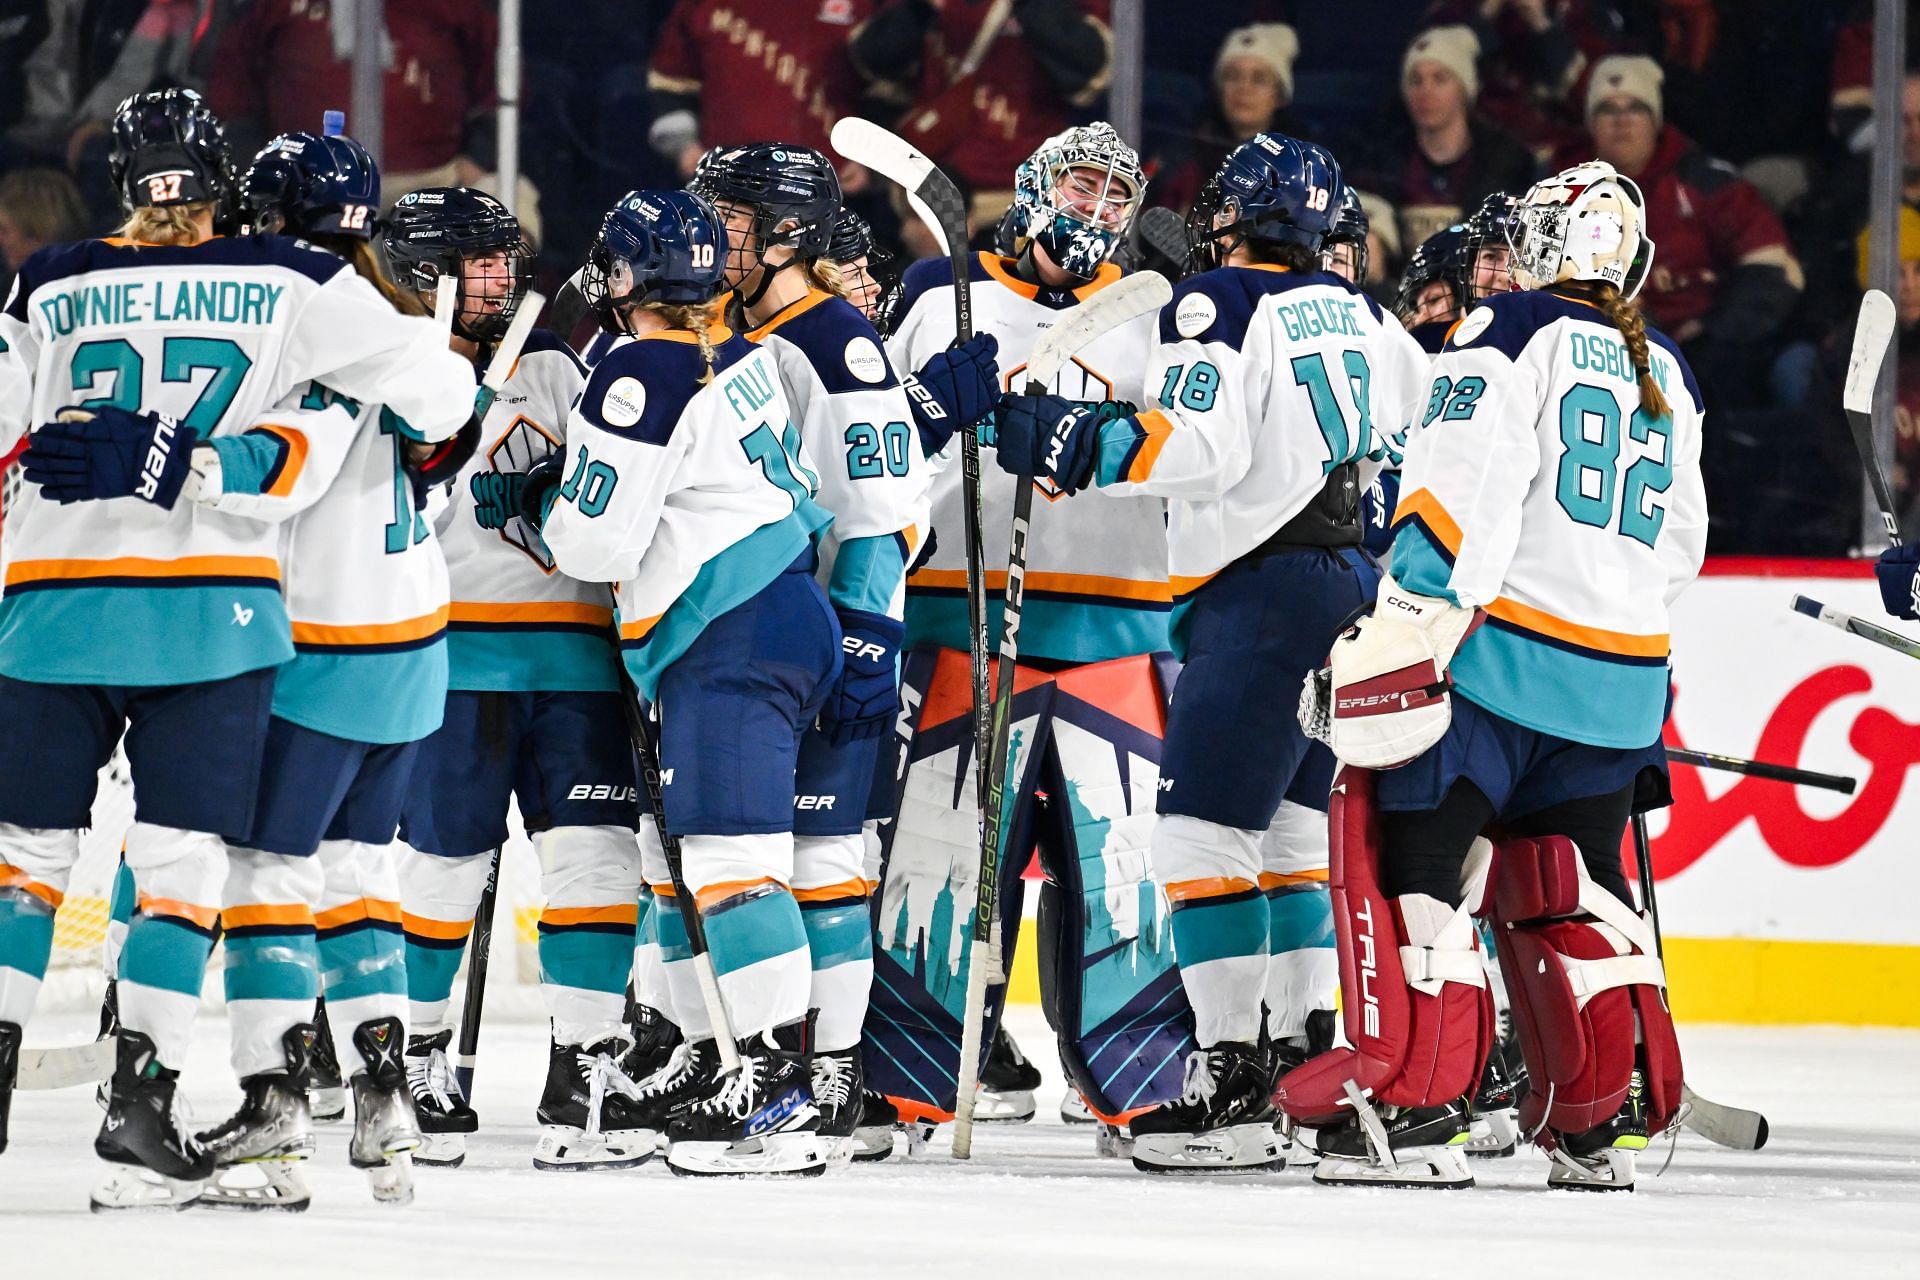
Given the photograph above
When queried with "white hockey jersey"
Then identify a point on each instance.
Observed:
(690, 496)
(1096, 580)
(1539, 489)
(1266, 381)
(857, 430)
(517, 621)
(123, 592)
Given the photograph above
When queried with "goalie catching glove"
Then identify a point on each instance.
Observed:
(1385, 696)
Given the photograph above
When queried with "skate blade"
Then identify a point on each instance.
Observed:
(790, 1154)
(1494, 1134)
(442, 1151)
(565, 1149)
(1073, 1110)
(392, 1182)
(327, 1105)
(1616, 1174)
(255, 1185)
(918, 1134)
(870, 1146)
(1112, 1144)
(1421, 1168)
(129, 1188)
(1014, 1107)
(1240, 1148)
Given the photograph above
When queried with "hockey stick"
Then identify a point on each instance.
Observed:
(1858, 626)
(1871, 334)
(569, 307)
(507, 354)
(1117, 304)
(649, 754)
(446, 305)
(1733, 1127)
(1761, 769)
(1164, 232)
(66, 1066)
(479, 955)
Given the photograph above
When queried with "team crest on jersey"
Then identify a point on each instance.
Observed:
(625, 402)
(1477, 322)
(496, 490)
(864, 360)
(1195, 315)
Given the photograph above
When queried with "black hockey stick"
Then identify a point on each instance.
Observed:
(1858, 626)
(1761, 769)
(1733, 1127)
(479, 954)
(648, 752)
(1164, 233)
(1871, 334)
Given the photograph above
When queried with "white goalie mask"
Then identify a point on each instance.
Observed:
(1584, 223)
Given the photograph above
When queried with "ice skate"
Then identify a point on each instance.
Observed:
(1111, 1142)
(686, 1076)
(1496, 1126)
(257, 1151)
(839, 1090)
(588, 1113)
(1007, 1082)
(1222, 1122)
(873, 1134)
(385, 1131)
(1602, 1158)
(326, 1091)
(760, 1120)
(161, 1165)
(654, 1038)
(438, 1105)
(1397, 1147)
(109, 1026)
(10, 1036)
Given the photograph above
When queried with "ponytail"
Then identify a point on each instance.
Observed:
(166, 224)
(698, 318)
(1623, 315)
(827, 276)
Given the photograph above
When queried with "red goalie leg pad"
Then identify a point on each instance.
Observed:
(1582, 972)
(1410, 1046)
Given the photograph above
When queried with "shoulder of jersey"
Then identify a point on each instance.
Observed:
(59, 261)
(641, 390)
(1218, 305)
(1507, 322)
(547, 346)
(929, 274)
(1656, 338)
(841, 346)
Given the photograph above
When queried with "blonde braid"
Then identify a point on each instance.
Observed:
(167, 224)
(1626, 317)
(696, 317)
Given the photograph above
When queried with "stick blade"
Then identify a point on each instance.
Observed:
(1870, 338)
(1127, 299)
(1809, 606)
(1733, 1127)
(893, 158)
(66, 1067)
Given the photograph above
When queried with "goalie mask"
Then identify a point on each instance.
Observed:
(1584, 223)
(1076, 196)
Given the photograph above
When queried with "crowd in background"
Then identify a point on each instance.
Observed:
(1748, 123)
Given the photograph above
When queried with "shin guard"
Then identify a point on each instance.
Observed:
(1588, 991)
(1414, 993)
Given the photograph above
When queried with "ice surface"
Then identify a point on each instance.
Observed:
(1836, 1193)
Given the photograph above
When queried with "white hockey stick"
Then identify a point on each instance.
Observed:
(1734, 1127)
(1858, 626)
(507, 354)
(66, 1066)
(446, 305)
(1870, 337)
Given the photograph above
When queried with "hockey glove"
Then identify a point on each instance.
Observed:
(541, 487)
(954, 389)
(867, 697)
(440, 462)
(1391, 694)
(1899, 573)
(1047, 436)
(84, 455)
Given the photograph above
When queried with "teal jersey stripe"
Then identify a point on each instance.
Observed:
(165, 955)
(1115, 447)
(730, 578)
(530, 661)
(429, 971)
(1420, 564)
(837, 933)
(1299, 919)
(746, 931)
(272, 966)
(586, 959)
(247, 460)
(371, 962)
(1058, 630)
(670, 932)
(26, 934)
(1220, 929)
(1546, 686)
(867, 572)
(365, 697)
(142, 635)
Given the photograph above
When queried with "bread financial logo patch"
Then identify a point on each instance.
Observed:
(1195, 315)
(626, 401)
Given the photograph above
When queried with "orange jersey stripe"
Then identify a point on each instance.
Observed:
(1183, 586)
(1072, 584)
(1282, 879)
(135, 567)
(360, 909)
(296, 442)
(1620, 642)
(1158, 429)
(641, 629)
(12, 877)
(1211, 887)
(854, 888)
(560, 917)
(663, 890)
(268, 915)
(373, 633)
(205, 917)
(714, 894)
(445, 930)
(1422, 503)
(593, 615)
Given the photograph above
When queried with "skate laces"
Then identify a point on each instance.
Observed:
(604, 1075)
(680, 1064)
(431, 1077)
(832, 1080)
(735, 1095)
(1200, 1082)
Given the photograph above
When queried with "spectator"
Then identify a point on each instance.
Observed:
(984, 84)
(732, 71)
(38, 207)
(1534, 58)
(1906, 438)
(283, 63)
(1434, 160)
(1724, 278)
(1253, 85)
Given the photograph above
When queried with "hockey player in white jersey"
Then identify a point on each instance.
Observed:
(138, 361)
(1090, 694)
(533, 713)
(780, 203)
(1274, 382)
(686, 485)
(1553, 510)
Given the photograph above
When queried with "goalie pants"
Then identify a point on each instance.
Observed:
(194, 753)
(566, 759)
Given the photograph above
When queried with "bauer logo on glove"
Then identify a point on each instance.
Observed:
(1390, 696)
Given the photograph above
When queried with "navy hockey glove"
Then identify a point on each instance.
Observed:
(954, 389)
(1047, 436)
(1899, 572)
(87, 454)
(867, 697)
(540, 488)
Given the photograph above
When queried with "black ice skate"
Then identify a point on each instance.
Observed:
(326, 1091)
(686, 1076)
(109, 1027)
(1386, 1146)
(588, 1112)
(145, 1132)
(1222, 1122)
(762, 1119)
(256, 1152)
(1496, 1124)
(385, 1132)
(873, 1135)
(1007, 1082)
(10, 1036)
(438, 1104)
(1602, 1158)
(839, 1090)
(654, 1038)
(1283, 1056)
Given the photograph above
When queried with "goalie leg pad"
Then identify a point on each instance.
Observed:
(1586, 984)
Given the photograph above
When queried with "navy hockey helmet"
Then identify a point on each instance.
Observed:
(433, 232)
(655, 246)
(1485, 257)
(1442, 259)
(305, 185)
(794, 194)
(1350, 227)
(169, 148)
(1272, 189)
(865, 266)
